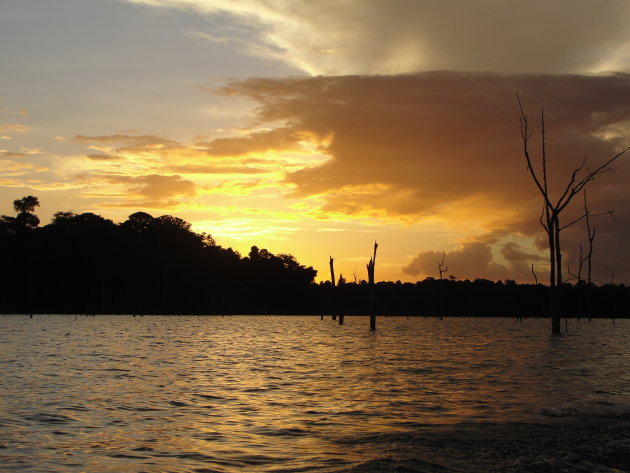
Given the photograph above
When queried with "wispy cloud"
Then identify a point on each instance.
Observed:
(14, 111)
(14, 128)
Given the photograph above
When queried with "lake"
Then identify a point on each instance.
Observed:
(300, 394)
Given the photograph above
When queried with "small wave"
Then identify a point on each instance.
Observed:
(212, 436)
(283, 432)
(76, 408)
(178, 403)
(417, 370)
(192, 456)
(603, 411)
(410, 465)
(252, 460)
(609, 393)
(211, 396)
(127, 455)
(143, 449)
(569, 463)
(139, 408)
(46, 418)
(255, 390)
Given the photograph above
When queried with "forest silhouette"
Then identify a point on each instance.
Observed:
(87, 264)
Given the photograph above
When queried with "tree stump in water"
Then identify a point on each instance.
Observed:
(370, 268)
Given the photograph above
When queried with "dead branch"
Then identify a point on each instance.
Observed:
(441, 268)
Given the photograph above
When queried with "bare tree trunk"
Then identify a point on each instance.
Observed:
(558, 251)
(556, 310)
(332, 288)
(370, 268)
(552, 260)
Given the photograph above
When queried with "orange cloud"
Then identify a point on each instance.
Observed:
(212, 169)
(149, 191)
(14, 168)
(441, 137)
(104, 157)
(10, 154)
(277, 139)
(448, 145)
(15, 128)
(156, 187)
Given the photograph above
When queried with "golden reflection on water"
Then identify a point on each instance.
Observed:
(240, 393)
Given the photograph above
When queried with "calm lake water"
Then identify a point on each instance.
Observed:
(284, 394)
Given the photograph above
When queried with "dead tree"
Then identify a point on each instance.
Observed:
(581, 260)
(590, 233)
(441, 268)
(333, 292)
(332, 287)
(370, 270)
(535, 277)
(340, 315)
(591, 238)
(552, 209)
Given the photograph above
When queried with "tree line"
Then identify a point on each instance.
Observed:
(145, 265)
(87, 264)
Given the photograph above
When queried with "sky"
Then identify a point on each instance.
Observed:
(316, 128)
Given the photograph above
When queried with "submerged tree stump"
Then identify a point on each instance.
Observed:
(370, 268)
(332, 288)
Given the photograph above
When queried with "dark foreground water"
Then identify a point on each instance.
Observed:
(290, 394)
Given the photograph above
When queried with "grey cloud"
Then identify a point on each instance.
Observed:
(473, 260)
(376, 37)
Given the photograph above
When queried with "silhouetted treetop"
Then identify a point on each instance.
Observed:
(139, 221)
(25, 218)
(26, 204)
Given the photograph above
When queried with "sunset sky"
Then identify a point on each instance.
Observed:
(316, 127)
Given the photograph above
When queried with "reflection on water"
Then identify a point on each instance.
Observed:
(214, 394)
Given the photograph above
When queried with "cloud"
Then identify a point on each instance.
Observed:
(148, 191)
(255, 142)
(440, 143)
(11, 154)
(447, 146)
(374, 37)
(14, 128)
(27, 150)
(514, 252)
(18, 168)
(155, 187)
(212, 169)
(474, 259)
(214, 157)
(122, 138)
(14, 111)
(104, 157)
